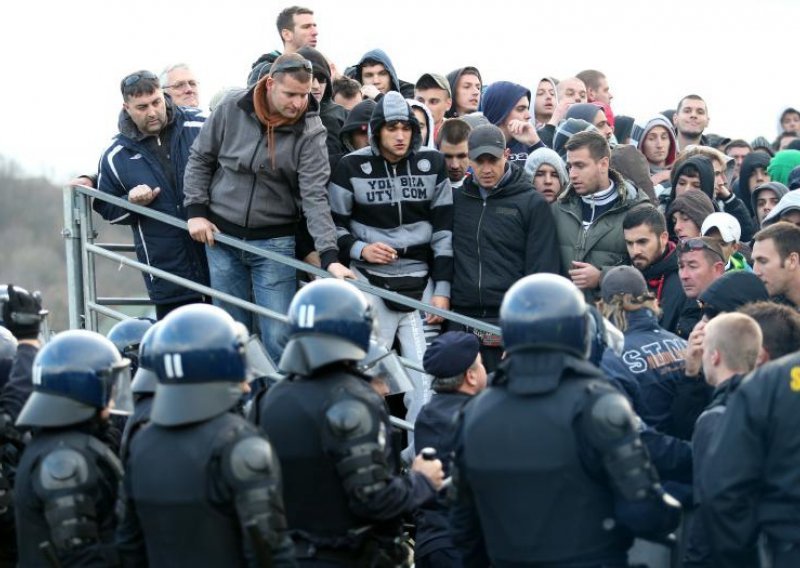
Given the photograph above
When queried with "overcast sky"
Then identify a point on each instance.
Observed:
(62, 61)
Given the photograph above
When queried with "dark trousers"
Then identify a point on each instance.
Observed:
(163, 309)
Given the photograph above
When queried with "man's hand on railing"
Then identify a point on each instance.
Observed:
(341, 271)
(202, 230)
(143, 195)
(82, 180)
(441, 302)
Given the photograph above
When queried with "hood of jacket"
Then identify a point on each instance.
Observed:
(453, 78)
(322, 69)
(779, 189)
(633, 166)
(551, 158)
(734, 289)
(429, 142)
(751, 161)
(694, 204)
(129, 129)
(391, 107)
(789, 202)
(641, 129)
(499, 100)
(706, 169)
(782, 164)
(357, 120)
(381, 57)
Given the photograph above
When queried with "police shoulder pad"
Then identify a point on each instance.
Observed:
(63, 468)
(350, 419)
(251, 458)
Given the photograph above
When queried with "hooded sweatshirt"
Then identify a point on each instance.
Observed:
(406, 89)
(694, 204)
(706, 169)
(407, 205)
(453, 78)
(331, 114)
(429, 142)
(782, 165)
(779, 189)
(633, 166)
(794, 178)
(497, 102)
(357, 121)
(642, 129)
(789, 202)
(751, 161)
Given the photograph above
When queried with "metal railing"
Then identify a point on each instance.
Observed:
(81, 251)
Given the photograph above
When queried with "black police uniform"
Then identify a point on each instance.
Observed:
(435, 428)
(549, 467)
(751, 482)
(65, 495)
(190, 490)
(344, 497)
(202, 485)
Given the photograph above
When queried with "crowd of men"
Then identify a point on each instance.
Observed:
(645, 275)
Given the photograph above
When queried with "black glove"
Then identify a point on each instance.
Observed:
(22, 313)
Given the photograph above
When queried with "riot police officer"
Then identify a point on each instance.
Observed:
(202, 484)
(22, 314)
(344, 496)
(549, 467)
(66, 484)
(143, 388)
(127, 335)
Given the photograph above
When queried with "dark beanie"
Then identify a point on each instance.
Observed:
(499, 100)
(451, 354)
(694, 204)
(583, 111)
(706, 169)
(733, 290)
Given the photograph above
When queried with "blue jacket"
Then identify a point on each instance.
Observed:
(650, 368)
(130, 161)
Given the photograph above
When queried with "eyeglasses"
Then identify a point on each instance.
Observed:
(181, 85)
(134, 78)
(291, 65)
(697, 243)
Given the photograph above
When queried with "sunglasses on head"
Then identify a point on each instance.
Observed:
(697, 243)
(134, 78)
(290, 65)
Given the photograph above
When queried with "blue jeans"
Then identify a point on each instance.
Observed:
(254, 278)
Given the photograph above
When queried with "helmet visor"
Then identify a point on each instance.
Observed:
(389, 369)
(121, 399)
(259, 363)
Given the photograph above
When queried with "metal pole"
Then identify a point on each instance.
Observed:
(72, 245)
(89, 284)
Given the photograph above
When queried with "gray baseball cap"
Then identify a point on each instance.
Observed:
(487, 139)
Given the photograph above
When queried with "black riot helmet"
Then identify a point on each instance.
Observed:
(127, 335)
(545, 312)
(144, 379)
(76, 374)
(197, 354)
(330, 321)
(8, 350)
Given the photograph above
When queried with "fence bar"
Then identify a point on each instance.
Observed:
(72, 245)
(107, 311)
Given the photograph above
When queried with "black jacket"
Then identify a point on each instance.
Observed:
(698, 551)
(663, 281)
(755, 488)
(499, 240)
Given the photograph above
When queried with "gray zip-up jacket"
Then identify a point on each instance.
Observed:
(230, 180)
